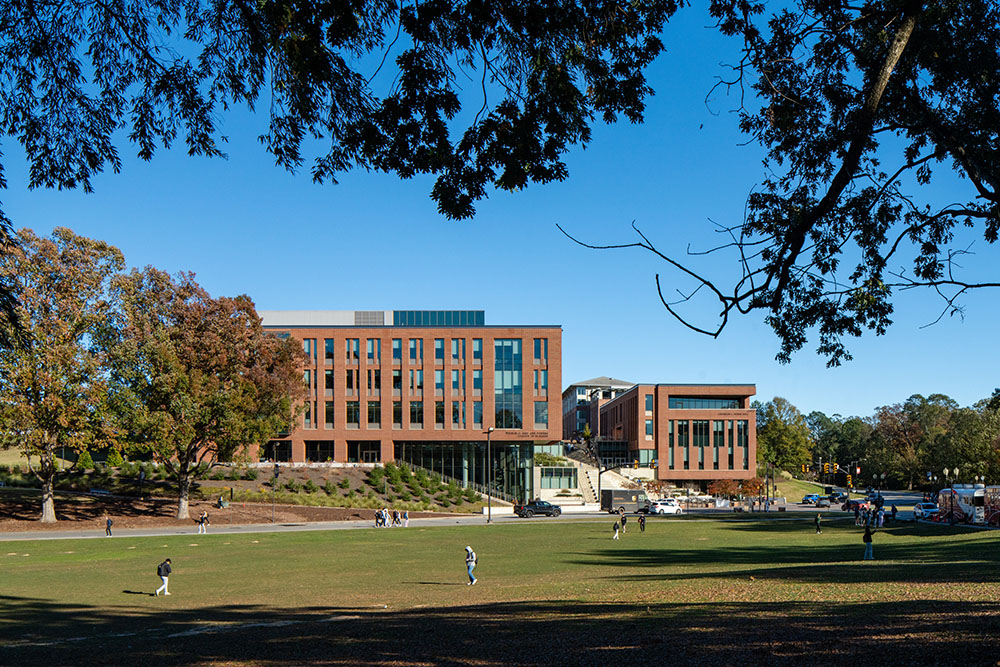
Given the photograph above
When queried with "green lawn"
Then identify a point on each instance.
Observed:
(550, 591)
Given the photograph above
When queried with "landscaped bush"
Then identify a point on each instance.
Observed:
(293, 486)
(375, 477)
(310, 486)
(344, 483)
(84, 461)
(250, 474)
(217, 475)
(234, 475)
(330, 488)
(114, 458)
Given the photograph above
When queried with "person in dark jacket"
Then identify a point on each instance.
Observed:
(107, 525)
(163, 572)
(867, 539)
(642, 523)
(818, 531)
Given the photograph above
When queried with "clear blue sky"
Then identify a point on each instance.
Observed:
(375, 242)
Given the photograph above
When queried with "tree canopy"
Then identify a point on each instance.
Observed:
(783, 436)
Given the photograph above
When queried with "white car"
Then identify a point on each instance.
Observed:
(665, 506)
(924, 510)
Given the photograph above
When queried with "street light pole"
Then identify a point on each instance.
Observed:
(274, 485)
(489, 477)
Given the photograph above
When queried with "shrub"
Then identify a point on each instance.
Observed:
(84, 461)
(115, 459)
(234, 474)
(375, 476)
(217, 475)
(293, 486)
(250, 474)
(310, 486)
(330, 488)
(344, 483)
(405, 496)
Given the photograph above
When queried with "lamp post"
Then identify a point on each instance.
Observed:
(489, 477)
(274, 486)
(951, 495)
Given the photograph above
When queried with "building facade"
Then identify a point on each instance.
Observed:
(582, 402)
(424, 387)
(688, 433)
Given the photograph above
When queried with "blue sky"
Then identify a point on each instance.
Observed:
(376, 242)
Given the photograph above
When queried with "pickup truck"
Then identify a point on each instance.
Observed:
(534, 507)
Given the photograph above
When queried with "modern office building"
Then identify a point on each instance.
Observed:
(690, 433)
(582, 402)
(424, 387)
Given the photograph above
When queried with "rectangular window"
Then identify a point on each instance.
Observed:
(309, 347)
(397, 413)
(649, 402)
(695, 403)
(649, 427)
(397, 349)
(351, 349)
(328, 417)
(329, 383)
(455, 384)
(682, 440)
(458, 415)
(542, 413)
(328, 343)
(417, 350)
(458, 350)
(439, 414)
(352, 382)
(543, 380)
(309, 416)
(439, 349)
(730, 424)
(353, 414)
(416, 413)
(699, 429)
(507, 383)
(307, 379)
(439, 380)
(477, 380)
(374, 413)
(477, 349)
(670, 444)
(477, 414)
(743, 440)
(718, 440)
(374, 380)
(397, 380)
(373, 349)
(541, 350)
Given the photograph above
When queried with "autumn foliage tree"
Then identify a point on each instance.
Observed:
(54, 386)
(205, 380)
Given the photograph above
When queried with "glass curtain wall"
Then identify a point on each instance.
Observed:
(466, 462)
(507, 383)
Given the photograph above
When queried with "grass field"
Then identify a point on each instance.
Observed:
(754, 590)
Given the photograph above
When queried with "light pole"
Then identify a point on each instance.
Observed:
(951, 495)
(274, 486)
(489, 477)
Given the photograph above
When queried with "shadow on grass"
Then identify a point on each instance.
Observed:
(36, 631)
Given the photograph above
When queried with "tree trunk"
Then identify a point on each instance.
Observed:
(48, 502)
(184, 488)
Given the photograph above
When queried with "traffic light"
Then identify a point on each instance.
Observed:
(848, 480)
(804, 468)
(635, 464)
(826, 468)
(836, 467)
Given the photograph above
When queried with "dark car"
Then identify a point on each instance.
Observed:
(537, 507)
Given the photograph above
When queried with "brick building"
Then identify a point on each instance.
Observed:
(690, 433)
(582, 401)
(423, 387)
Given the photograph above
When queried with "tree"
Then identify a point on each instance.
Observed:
(54, 388)
(205, 380)
(724, 488)
(782, 435)
(860, 107)
(752, 487)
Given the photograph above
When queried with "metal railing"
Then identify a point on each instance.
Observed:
(447, 479)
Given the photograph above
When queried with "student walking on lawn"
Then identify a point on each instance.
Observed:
(818, 531)
(163, 572)
(107, 525)
(470, 563)
(867, 539)
(616, 529)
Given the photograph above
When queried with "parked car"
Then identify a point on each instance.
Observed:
(810, 499)
(665, 506)
(839, 497)
(854, 502)
(924, 510)
(823, 502)
(534, 507)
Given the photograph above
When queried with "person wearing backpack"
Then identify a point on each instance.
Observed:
(867, 539)
(470, 563)
(163, 572)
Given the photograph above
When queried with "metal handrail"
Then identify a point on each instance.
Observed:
(481, 488)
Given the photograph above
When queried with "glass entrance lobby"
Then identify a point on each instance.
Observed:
(466, 463)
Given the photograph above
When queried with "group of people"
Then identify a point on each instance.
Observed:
(620, 524)
(872, 516)
(386, 519)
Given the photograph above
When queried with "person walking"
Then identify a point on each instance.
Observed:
(642, 523)
(470, 563)
(203, 522)
(624, 521)
(867, 539)
(894, 510)
(616, 528)
(406, 518)
(816, 520)
(107, 525)
(857, 515)
(163, 571)
(395, 519)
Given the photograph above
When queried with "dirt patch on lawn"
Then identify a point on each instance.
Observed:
(19, 511)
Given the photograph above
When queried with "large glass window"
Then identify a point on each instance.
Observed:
(649, 402)
(649, 427)
(439, 413)
(541, 350)
(477, 414)
(458, 415)
(700, 403)
(374, 380)
(309, 347)
(477, 349)
(670, 444)
(397, 380)
(329, 382)
(455, 383)
(329, 350)
(416, 349)
(328, 417)
(439, 380)
(541, 413)
(743, 440)
(458, 350)
(352, 382)
(374, 413)
(353, 413)
(307, 379)
(397, 413)
(416, 413)
(507, 383)
(309, 418)
(559, 478)
(397, 349)
(439, 349)
(353, 348)
(477, 380)
(683, 441)
(373, 349)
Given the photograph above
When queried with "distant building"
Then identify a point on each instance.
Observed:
(423, 387)
(582, 402)
(689, 433)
